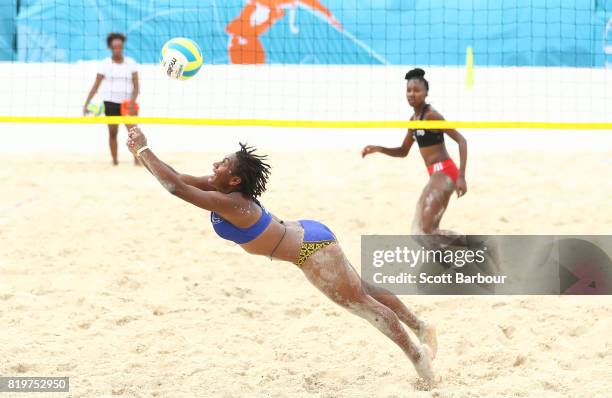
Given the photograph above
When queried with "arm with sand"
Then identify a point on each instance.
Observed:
(170, 180)
(198, 182)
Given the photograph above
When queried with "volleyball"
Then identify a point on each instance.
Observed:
(181, 58)
(95, 109)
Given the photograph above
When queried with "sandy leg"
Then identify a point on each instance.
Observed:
(427, 335)
(329, 271)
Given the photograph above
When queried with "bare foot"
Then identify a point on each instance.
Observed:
(427, 335)
(115, 162)
(424, 369)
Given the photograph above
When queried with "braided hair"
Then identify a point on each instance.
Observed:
(252, 170)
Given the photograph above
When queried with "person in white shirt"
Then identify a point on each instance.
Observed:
(120, 87)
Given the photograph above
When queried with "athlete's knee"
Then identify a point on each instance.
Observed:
(375, 291)
(427, 228)
(369, 288)
(360, 305)
(378, 314)
(430, 219)
(417, 224)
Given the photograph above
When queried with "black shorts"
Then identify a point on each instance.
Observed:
(112, 109)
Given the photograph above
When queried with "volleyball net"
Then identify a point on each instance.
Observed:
(318, 63)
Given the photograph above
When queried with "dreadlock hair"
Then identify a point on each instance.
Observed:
(418, 74)
(252, 170)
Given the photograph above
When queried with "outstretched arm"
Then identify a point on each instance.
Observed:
(198, 182)
(399, 152)
(171, 180)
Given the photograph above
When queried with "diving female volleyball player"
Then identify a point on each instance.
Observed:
(444, 177)
(230, 194)
(118, 76)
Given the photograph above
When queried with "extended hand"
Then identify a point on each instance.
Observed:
(136, 140)
(369, 149)
(461, 187)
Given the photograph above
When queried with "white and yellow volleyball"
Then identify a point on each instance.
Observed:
(95, 109)
(181, 58)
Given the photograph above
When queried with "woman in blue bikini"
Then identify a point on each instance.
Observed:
(231, 193)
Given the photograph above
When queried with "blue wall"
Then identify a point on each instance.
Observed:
(408, 32)
(8, 12)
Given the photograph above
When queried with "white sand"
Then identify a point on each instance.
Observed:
(108, 279)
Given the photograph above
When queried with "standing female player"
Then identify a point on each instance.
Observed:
(444, 177)
(230, 194)
(121, 87)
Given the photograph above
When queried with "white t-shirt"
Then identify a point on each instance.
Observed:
(117, 85)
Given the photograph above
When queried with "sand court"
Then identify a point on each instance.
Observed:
(110, 280)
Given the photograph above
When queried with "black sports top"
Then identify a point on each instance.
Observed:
(428, 137)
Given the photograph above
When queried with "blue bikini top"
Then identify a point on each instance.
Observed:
(229, 231)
